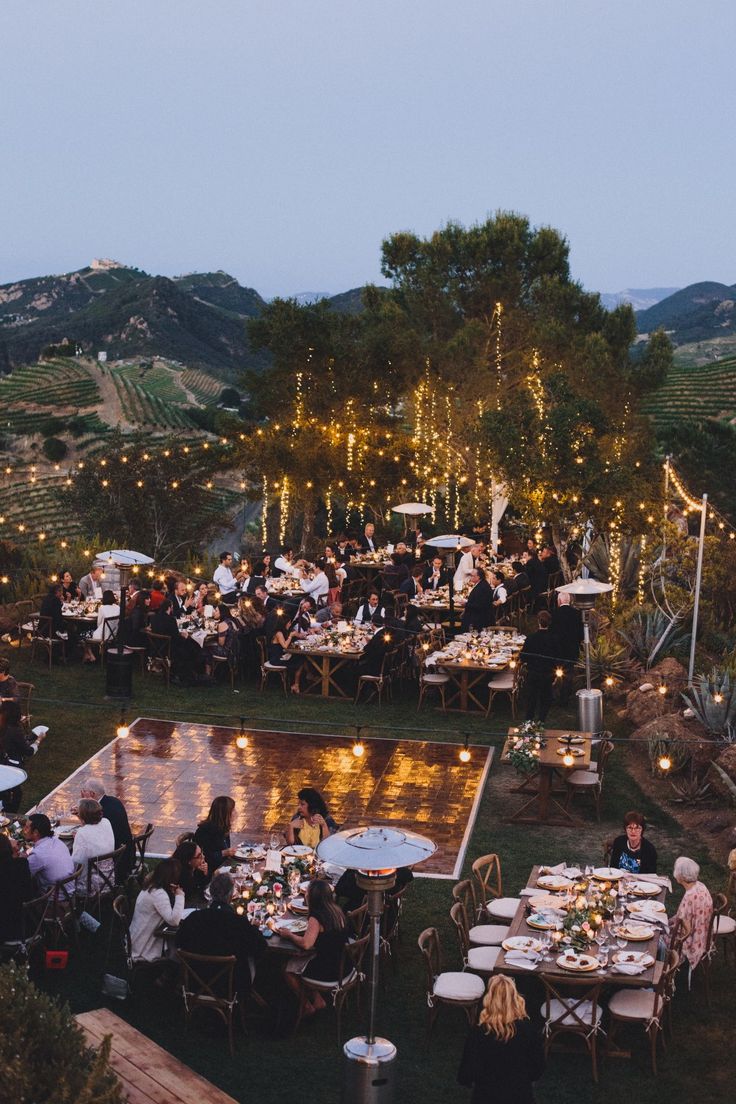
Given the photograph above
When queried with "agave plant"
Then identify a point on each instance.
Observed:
(676, 751)
(608, 660)
(713, 701)
(598, 562)
(691, 788)
(651, 635)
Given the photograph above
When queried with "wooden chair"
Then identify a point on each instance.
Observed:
(140, 843)
(704, 967)
(393, 907)
(269, 669)
(590, 782)
(351, 977)
(376, 683)
(506, 682)
(27, 620)
(571, 1007)
(431, 680)
(159, 655)
(454, 988)
(209, 982)
(357, 920)
(121, 916)
(479, 960)
(481, 935)
(487, 871)
(61, 917)
(25, 689)
(43, 637)
(100, 882)
(32, 930)
(644, 1006)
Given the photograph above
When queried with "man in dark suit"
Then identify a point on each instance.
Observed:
(541, 655)
(435, 575)
(182, 599)
(478, 612)
(370, 611)
(412, 587)
(567, 626)
(114, 811)
(219, 931)
(368, 542)
(518, 580)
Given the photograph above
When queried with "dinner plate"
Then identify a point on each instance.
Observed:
(522, 943)
(247, 852)
(576, 751)
(571, 739)
(644, 889)
(634, 958)
(3, 821)
(296, 851)
(555, 882)
(577, 964)
(637, 933)
(608, 873)
(652, 907)
(298, 927)
(298, 904)
(539, 922)
(544, 900)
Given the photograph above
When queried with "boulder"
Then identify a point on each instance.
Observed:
(727, 761)
(673, 726)
(644, 705)
(672, 673)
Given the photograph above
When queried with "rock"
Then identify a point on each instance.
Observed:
(644, 705)
(646, 686)
(727, 761)
(670, 672)
(671, 726)
(718, 823)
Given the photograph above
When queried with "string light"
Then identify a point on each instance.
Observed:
(122, 730)
(664, 762)
(242, 740)
(464, 753)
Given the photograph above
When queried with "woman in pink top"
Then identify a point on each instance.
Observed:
(695, 911)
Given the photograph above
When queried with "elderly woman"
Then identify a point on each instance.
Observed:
(695, 911)
(504, 1054)
(95, 837)
(631, 851)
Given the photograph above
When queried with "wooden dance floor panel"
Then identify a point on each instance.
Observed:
(168, 773)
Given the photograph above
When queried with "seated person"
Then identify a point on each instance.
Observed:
(518, 580)
(194, 876)
(412, 587)
(319, 586)
(379, 645)
(158, 593)
(114, 811)
(631, 851)
(478, 612)
(311, 822)
(279, 636)
(95, 837)
(161, 901)
(182, 598)
(51, 608)
(108, 611)
(15, 748)
(695, 910)
(90, 586)
(329, 615)
(370, 612)
(284, 562)
(186, 654)
(226, 645)
(136, 620)
(69, 589)
(16, 887)
(436, 575)
(50, 860)
(396, 573)
(213, 833)
(8, 685)
(219, 931)
(348, 890)
(326, 934)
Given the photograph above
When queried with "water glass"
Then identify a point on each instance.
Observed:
(274, 842)
(603, 960)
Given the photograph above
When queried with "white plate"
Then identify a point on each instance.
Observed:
(298, 927)
(554, 882)
(296, 851)
(644, 889)
(578, 964)
(576, 752)
(522, 943)
(298, 904)
(250, 853)
(539, 922)
(544, 900)
(608, 873)
(634, 958)
(636, 933)
(654, 908)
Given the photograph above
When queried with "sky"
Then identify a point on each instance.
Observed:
(283, 140)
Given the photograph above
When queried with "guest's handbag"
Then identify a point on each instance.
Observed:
(114, 987)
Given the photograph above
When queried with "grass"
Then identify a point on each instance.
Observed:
(698, 1066)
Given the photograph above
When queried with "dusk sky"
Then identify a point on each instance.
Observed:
(282, 140)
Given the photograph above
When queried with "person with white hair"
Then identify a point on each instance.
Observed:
(114, 811)
(466, 567)
(695, 911)
(567, 628)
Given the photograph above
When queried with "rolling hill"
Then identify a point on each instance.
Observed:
(700, 312)
(695, 392)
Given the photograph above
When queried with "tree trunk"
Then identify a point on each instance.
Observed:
(560, 544)
(310, 510)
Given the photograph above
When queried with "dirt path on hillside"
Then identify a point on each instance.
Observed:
(110, 409)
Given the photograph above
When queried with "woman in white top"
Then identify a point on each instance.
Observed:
(94, 838)
(319, 586)
(160, 901)
(109, 611)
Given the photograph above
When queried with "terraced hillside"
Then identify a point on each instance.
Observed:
(694, 392)
(58, 383)
(38, 508)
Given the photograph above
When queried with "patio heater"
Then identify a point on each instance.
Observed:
(375, 854)
(583, 594)
(118, 662)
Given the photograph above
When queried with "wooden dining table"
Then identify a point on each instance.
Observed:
(320, 669)
(519, 927)
(542, 806)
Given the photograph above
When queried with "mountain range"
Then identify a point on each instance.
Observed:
(639, 298)
(700, 312)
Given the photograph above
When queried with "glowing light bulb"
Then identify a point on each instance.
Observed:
(242, 741)
(122, 730)
(664, 762)
(464, 755)
(609, 680)
(358, 749)
(568, 759)
(559, 672)
(718, 698)
(662, 690)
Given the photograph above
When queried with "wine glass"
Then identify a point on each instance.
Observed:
(274, 842)
(602, 959)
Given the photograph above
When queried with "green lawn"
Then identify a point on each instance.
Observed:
(699, 1066)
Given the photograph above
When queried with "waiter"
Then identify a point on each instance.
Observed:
(224, 579)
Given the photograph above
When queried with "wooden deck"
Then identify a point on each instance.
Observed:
(149, 1075)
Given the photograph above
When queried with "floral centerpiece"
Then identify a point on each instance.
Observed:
(525, 746)
(591, 904)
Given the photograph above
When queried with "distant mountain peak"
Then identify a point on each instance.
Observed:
(638, 298)
(105, 264)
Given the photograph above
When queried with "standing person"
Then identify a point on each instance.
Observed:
(540, 653)
(90, 585)
(311, 822)
(631, 851)
(504, 1054)
(114, 811)
(466, 567)
(213, 833)
(695, 911)
(16, 887)
(478, 612)
(224, 579)
(15, 748)
(567, 627)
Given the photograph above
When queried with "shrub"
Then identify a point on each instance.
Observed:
(44, 1056)
(77, 426)
(54, 448)
(52, 426)
(230, 397)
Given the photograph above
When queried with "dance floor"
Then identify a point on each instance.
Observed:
(168, 773)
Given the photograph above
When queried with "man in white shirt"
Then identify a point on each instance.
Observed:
(466, 567)
(500, 595)
(284, 563)
(224, 579)
(50, 860)
(371, 612)
(90, 586)
(319, 586)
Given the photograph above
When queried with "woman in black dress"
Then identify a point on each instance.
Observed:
(326, 935)
(504, 1054)
(16, 887)
(213, 833)
(15, 748)
(194, 871)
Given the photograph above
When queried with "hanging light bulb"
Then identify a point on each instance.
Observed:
(358, 747)
(559, 672)
(568, 759)
(464, 753)
(662, 689)
(718, 698)
(122, 730)
(664, 762)
(242, 739)
(609, 680)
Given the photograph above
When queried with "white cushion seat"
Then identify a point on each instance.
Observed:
(632, 1004)
(584, 1011)
(502, 681)
(458, 986)
(435, 680)
(483, 959)
(725, 925)
(488, 935)
(584, 778)
(327, 985)
(503, 908)
(274, 667)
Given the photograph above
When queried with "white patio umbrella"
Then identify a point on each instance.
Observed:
(123, 557)
(413, 509)
(450, 540)
(10, 777)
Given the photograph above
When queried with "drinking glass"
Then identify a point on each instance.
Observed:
(603, 960)
(274, 841)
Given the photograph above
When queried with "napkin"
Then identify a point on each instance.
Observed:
(200, 636)
(628, 968)
(650, 916)
(552, 869)
(656, 879)
(526, 962)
